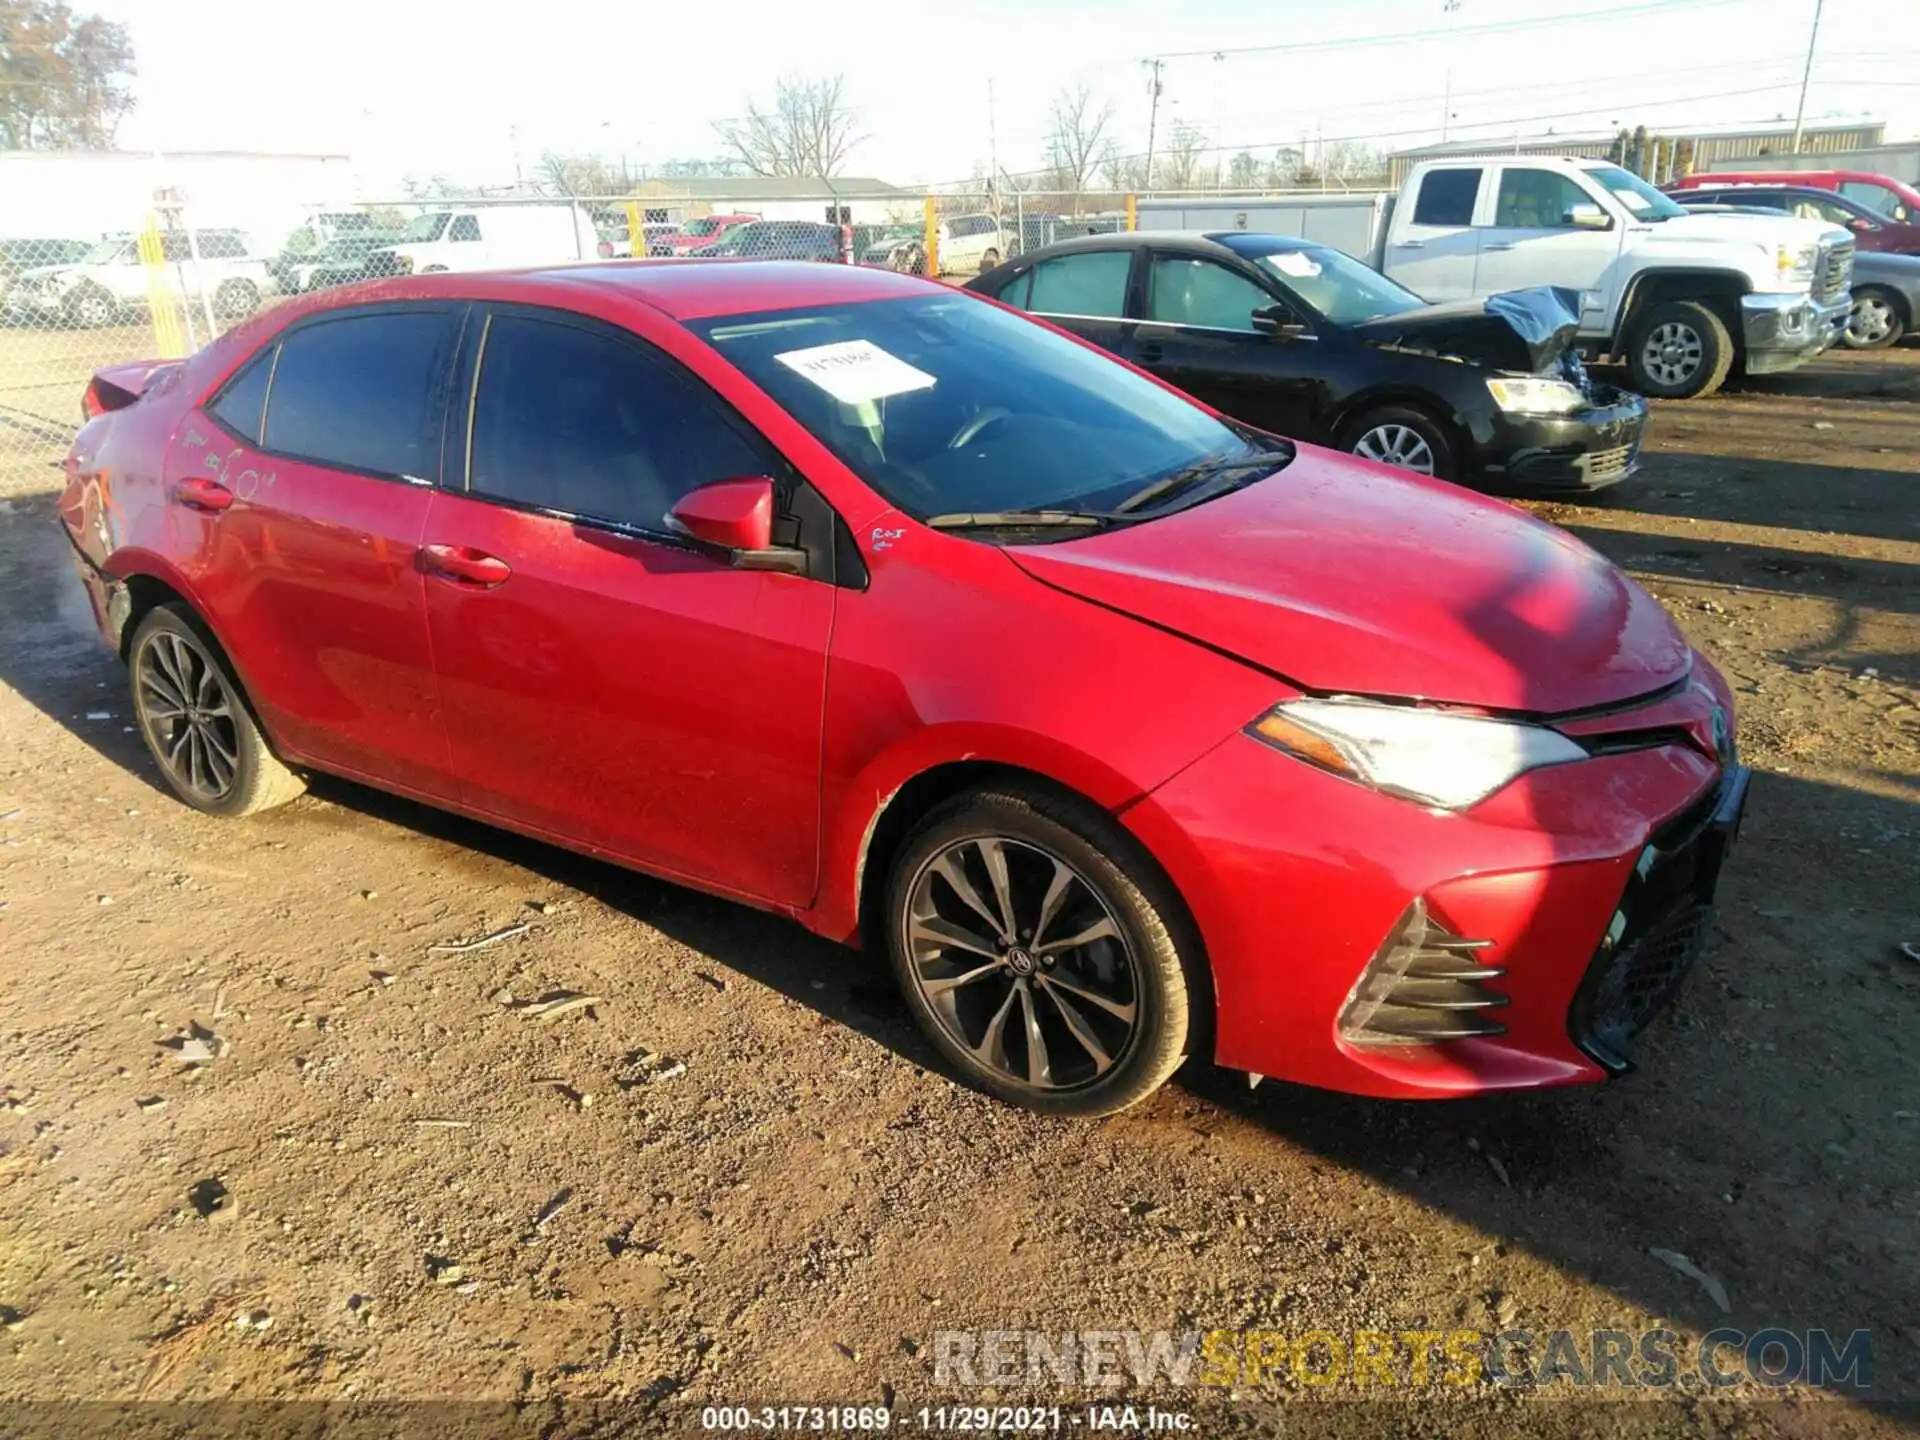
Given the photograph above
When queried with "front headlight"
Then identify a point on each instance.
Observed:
(1795, 262)
(1535, 397)
(1432, 756)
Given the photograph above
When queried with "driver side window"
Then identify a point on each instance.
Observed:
(1202, 293)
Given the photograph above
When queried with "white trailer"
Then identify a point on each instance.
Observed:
(1352, 223)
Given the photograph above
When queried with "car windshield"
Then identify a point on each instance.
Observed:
(950, 406)
(1338, 286)
(107, 251)
(1637, 195)
(423, 229)
(699, 227)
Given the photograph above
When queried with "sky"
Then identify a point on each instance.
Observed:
(941, 90)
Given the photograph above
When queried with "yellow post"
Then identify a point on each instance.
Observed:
(933, 237)
(168, 339)
(1133, 216)
(636, 230)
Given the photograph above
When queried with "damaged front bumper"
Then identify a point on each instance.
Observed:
(1586, 450)
(1781, 332)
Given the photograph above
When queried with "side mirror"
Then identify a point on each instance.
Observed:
(736, 516)
(1277, 320)
(1860, 225)
(1589, 217)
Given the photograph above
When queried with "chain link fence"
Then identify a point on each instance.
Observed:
(75, 297)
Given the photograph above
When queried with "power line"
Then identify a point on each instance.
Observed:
(1491, 27)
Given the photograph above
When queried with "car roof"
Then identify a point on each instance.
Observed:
(693, 289)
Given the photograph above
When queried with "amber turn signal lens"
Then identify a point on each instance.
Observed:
(1309, 745)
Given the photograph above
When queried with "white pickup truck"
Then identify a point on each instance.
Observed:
(1681, 298)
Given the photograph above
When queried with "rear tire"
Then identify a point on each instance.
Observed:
(1405, 438)
(989, 259)
(91, 307)
(1876, 321)
(196, 721)
(236, 299)
(1679, 350)
(1113, 1012)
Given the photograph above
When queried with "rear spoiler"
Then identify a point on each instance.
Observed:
(114, 387)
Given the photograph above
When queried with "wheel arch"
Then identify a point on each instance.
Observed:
(1427, 402)
(1720, 290)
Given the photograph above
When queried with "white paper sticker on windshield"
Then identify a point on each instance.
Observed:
(1293, 262)
(855, 370)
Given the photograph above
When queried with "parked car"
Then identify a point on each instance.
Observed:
(1680, 300)
(897, 247)
(1120, 728)
(340, 260)
(968, 244)
(18, 256)
(491, 236)
(777, 240)
(1304, 341)
(699, 234)
(1885, 195)
(1886, 299)
(1871, 230)
(110, 283)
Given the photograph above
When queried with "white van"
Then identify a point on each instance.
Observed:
(490, 236)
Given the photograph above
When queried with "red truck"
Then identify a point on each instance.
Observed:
(697, 234)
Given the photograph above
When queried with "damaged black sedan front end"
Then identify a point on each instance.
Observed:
(1305, 341)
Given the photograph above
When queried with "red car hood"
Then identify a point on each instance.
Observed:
(1346, 577)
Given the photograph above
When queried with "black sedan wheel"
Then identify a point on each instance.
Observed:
(1405, 438)
(196, 722)
(1876, 321)
(1030, 952)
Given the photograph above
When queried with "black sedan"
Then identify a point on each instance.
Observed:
(1305, 341)
(778, 240)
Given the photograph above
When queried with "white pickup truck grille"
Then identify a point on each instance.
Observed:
(1835, 270)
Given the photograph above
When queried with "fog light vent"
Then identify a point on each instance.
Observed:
(1423, 986)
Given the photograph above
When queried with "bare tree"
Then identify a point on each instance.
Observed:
(62, 77)
(1075, 131)
(1285, 167)
(1244, 171)
(808, 130)
(1122, 173)
(1178, 165)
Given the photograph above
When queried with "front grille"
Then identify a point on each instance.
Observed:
(1423, 986)
(1836, 269)
(1610, 464)
(1637, 980)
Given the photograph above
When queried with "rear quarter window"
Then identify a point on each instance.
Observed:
(242, 402)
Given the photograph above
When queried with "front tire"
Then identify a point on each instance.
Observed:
(1405, 438)
(236, 299)
(1679, 350)
(196, 721)
(91, 307)
(989, 259)
(1039, 953)
(1875, 322)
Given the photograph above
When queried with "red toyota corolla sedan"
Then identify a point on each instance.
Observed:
(1126, 731)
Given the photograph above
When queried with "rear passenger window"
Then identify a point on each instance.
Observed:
(242, 403)
(588, 424)
(1017, 291)
(1446, 197)
(465, 227)
(1092, 283)
(363, 392)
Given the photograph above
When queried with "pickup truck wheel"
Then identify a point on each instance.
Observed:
(1403, 437)
(1876, 321)
(1679, 349)
(91, 307)
(236, 299)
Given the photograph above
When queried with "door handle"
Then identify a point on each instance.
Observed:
(1498, 245)
(1150, 352)
(464, 565)
(197, 492)
(1410, 245)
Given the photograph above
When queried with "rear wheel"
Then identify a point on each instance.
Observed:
(236, 299)
(1403, 437)
(196, 721)
(1037, 953)
(1875, 322)
(988, 260)
(1679, 349)
(92, 307)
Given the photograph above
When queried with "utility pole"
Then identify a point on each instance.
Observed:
(1154, 67)
(1800, 115)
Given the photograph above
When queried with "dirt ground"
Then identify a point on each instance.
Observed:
(799, 1211)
